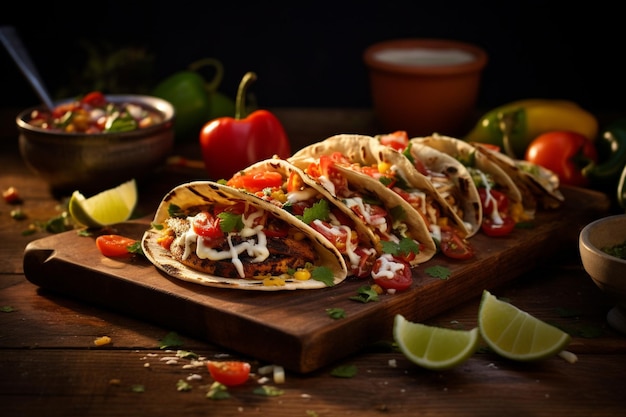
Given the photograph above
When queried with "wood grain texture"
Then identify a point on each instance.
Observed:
(292, 327)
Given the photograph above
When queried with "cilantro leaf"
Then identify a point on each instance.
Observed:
(230, 222)
(438, 271)
(398, 213)
(268, 391)
(183, 385)
(336, 313)
(365, 294)
(405, 247)
(171, 339)
(175, 211)
(344, 371)
(319, 210)
(323, 274)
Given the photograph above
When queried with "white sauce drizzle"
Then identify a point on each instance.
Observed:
(495, 213)
(388, 267)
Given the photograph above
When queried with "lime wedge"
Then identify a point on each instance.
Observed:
(431, 347)
(515, 334)
(108, 207)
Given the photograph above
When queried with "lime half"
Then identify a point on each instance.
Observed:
(108, 207)
(435, 348)
(515, 334)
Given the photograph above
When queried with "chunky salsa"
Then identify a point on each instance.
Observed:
(93, 113)
(619, 250)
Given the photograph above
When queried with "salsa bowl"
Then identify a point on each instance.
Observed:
(95, 161)
(597, 241)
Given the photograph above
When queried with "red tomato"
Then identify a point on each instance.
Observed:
(229, 373)
(94, 99)
(398, 140)
(401, 279)
(455, 247)
(326, 167)
(490, 228)
(501, 201)
(207, 226)
(366, 263)
(565, 153)
(257, 181)
(114, 245)
(337, 236)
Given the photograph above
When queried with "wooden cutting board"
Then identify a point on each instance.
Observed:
(292, 328)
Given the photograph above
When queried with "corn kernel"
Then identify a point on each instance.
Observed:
(302, 274)
(384, 167)
(273, 282)
(104, 340)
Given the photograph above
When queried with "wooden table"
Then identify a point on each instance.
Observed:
(50, 366)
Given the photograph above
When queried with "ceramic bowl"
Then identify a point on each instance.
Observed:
(425, 86)
(92, 162)
(607, 272)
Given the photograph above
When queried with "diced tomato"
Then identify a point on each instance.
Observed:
(491, 228)
(455, 247)
(366, 262)
(114, 246)
(501, 201)
(402, 277)
(276, 229)
(229, 373)
(328, 169)
(337, 236)
(257, 181)
(398, 140)
(11, 195)
(94, 99)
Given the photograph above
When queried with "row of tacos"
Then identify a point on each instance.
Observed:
(348, 206)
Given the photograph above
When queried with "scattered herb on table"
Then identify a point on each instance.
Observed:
(344, 371)
(365, 294)
(438, 271)
(170, 340)
(336, 313)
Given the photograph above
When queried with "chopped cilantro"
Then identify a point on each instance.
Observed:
(230, 222)
(336, 313)
(405, 247)
(135, 248)
(183, 385)
(323, 274)
(318, 210)
(185, 354)
(398, 213)
(138, 388)
(175, 211)
(218, 391)
(386, 181)
(6, 309)
(268, 391)
(170, 340)
(344, 371)
(438, 271)
(365, 294)
(407, 153)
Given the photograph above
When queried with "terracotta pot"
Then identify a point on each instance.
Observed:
(425, 86)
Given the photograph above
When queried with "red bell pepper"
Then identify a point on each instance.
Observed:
(231, 144)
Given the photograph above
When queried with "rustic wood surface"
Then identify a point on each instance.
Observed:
(50, 366)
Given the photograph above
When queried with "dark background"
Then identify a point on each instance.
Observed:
(309, 54)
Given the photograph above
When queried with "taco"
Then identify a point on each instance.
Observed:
(291, 189)
(502, 202)
(367, 161)
(449, 177)
(215, 235)
(537, 184)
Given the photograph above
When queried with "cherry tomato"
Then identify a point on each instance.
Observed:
(114, 246)
(565, 153)
(402, 275)
(337, 236)
(398, 140)
(207, 226)
(455, 247)
(493, 229)
(229, 373)
(257, 181)
(499, 198)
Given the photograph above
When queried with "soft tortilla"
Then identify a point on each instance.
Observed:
(205, 192)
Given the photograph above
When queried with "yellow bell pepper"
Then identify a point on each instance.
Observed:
(523, 120)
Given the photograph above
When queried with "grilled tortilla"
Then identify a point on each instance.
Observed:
(255, 245)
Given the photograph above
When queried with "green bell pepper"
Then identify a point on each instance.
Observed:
(195, 100)
(611, 147)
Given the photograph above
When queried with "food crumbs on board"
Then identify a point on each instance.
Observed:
(104, 340)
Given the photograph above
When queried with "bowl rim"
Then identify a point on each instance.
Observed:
(585, 241)
(475, 65)
(161, 105)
